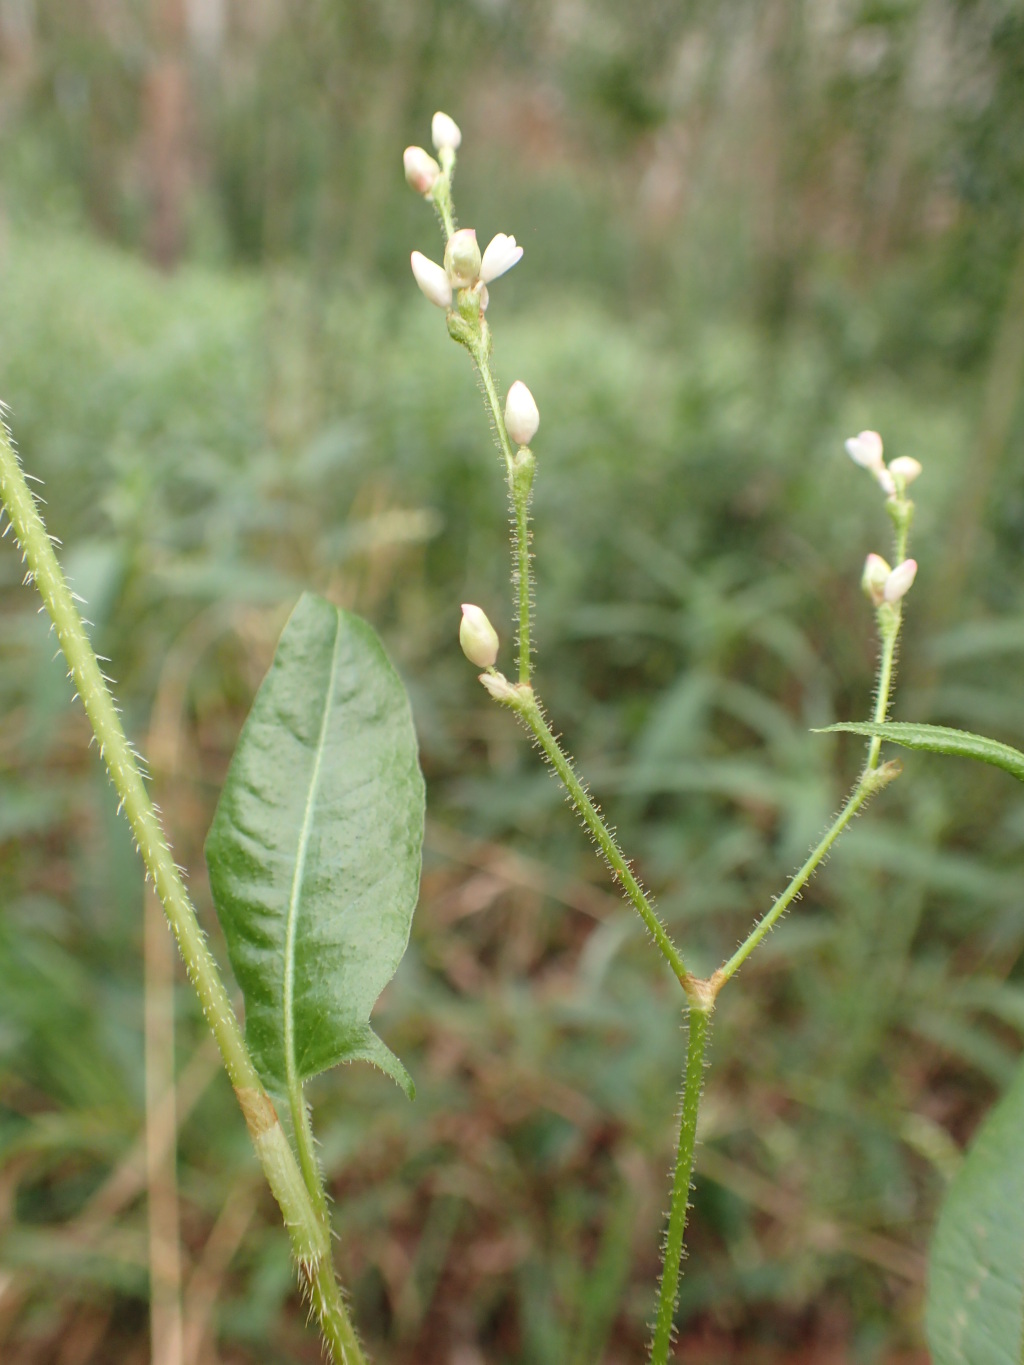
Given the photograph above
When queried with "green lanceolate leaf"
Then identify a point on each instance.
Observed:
(975, 1308)
(314, 851)
(939, 739)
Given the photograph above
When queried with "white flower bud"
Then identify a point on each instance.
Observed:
(499, 687)
(898, 583)
(478, 638)
(501, 255)
(421, 170)
(905, 468)
(866, 450)
(522, 417)
(445, 132)
(874, 578)
(432, 279)
(462, 258)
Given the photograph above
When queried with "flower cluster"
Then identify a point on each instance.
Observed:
(465, 266)
(866, 450)
(882, 584)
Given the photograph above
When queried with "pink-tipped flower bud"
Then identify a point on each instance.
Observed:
(866, 450)
(874, 578)
(522, 417)
(898, 583)
(445, 132)
(905, 468)
(462, 258)
(478, 638)
(501, 255)
(432, 279)
(421, 170)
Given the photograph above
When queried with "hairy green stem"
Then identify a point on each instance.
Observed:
(872, 779)
(305, 1143)
(308, 1231)
(523, 701)
(442, 191)
(861, 793)
(889, 625)
(470, 329)
(523, 585)
(693, 1085)
(519, 496)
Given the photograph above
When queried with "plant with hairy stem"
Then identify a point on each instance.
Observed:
(314, 861)
(460, 287)
(314, 851)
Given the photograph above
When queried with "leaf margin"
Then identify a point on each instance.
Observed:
(357, 1040)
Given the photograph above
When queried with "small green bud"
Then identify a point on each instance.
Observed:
(462, 258)
(524, 466)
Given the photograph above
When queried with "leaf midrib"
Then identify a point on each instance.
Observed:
(288, 993)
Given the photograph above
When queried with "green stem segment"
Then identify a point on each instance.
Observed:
(872, 779)
(890, 618)
(470, 329)
(525, 704)
(309, 1231)
(305, 1143)
(693, 1085)
(519, 470)
(442, 191)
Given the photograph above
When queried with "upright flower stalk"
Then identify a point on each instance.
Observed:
(460, 286)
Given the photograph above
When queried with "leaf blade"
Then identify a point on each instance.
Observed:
(974, 1314)
(314, 850)
(938, 739)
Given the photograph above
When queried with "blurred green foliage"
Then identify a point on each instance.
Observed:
(750, 231)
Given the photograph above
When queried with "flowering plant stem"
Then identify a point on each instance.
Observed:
(528, 708)
(467, 325)
(519, 488)
(693, 1085)
(304, 1213)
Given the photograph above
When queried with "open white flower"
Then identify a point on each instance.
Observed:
(501, 255)
(432, 279)
(866, 450)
